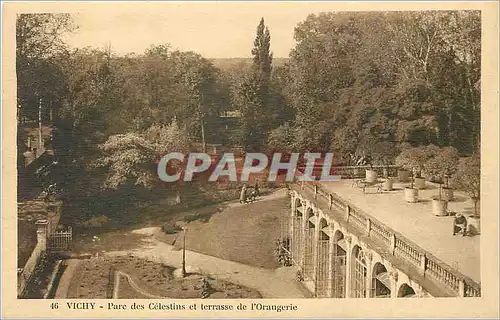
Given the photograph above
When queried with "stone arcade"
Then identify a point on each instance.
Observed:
(343, 252)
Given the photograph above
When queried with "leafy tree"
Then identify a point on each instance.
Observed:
(130, 157)
(38, 42)
(468, 178)
(415, 159)
(401, 77)
(253, 94)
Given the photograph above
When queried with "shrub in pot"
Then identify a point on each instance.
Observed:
(442, 166)
(414, 160)
(439, 206)
(403, 175)
(387, 185)
(383, 153)
(411, 194)
(468, 178)
(371, 175)
(419, 182)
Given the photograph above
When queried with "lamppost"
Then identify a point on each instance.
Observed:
(184, 229)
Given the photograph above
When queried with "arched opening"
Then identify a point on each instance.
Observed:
(381, 283)
(310, 229)
(339, 265)
(322, 279)
(405, 291)
(359, 275)
(297, 230)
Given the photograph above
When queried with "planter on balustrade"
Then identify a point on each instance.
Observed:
(371, 176)
(447, 194)
(411, 195)
(419, 183)
(403, 175)
(439, 207)
(387, 186)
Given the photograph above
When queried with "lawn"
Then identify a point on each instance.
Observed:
(241, 233)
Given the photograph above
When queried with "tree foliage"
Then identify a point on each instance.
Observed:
(132, 157)
(398, 77)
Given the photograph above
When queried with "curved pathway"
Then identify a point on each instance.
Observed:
(279, 283)
(62, 288)
(116, 290)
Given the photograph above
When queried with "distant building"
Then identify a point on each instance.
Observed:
(30, 136)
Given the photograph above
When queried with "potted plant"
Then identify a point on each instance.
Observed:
(414, 160)
(468, 178)
(365, 150)
(442, 166)
(371, 175)
(353, 161)
(384, 154)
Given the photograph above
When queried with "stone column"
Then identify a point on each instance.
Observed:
(348, 266)
(303, 234)
(291, 226)
(369, 259)
(315, 249)
(394, 283)
(41, 233)
(331, 251)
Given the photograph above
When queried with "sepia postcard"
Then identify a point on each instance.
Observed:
(250, 159)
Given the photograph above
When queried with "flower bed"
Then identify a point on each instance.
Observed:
(91, 279)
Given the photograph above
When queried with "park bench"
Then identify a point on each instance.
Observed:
(362, 183)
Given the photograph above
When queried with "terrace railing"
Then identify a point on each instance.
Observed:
(353, 172)
(428, 265)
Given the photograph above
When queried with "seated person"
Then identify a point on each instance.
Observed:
(460, 224)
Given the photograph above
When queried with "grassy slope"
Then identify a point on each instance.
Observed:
(244, 234)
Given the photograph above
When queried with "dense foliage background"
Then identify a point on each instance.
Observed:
(364, 83)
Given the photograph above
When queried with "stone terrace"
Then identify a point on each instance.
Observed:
(416, 221)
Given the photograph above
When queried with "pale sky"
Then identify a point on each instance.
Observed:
(214, 30)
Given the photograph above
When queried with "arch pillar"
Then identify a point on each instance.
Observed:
(348, 273)
(369, 273)
(394, 283)
(330, 263)
(315, 260)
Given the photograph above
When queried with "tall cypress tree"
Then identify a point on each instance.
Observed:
(262, 57)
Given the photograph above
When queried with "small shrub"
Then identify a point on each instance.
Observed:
(191, 217)
(96, 222)
(170, 228)
(205, 217)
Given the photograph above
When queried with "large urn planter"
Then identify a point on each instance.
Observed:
(419, 183)
(411, 195)
(447, 194)
(439, 207)
(474, 225)
(371, 176)
(387, 186)
(403, 175)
